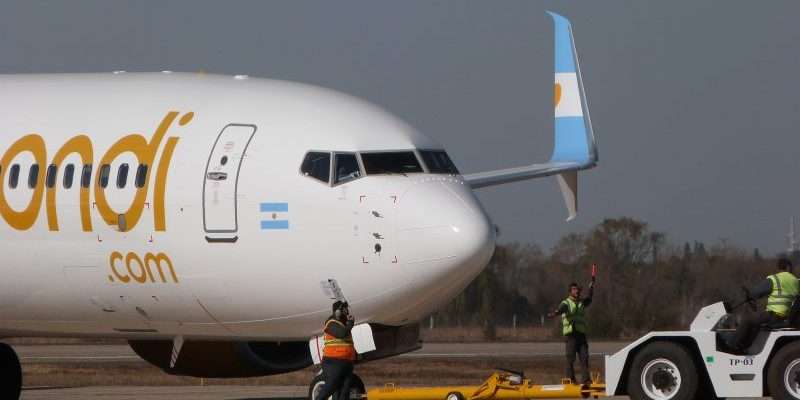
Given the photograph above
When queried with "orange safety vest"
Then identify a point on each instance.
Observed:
(340, 349)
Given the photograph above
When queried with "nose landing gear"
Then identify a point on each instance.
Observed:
(357, 388)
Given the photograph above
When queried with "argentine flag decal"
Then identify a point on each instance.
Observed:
(567, 92)
(274, 216)
(567, 95)
(571, 136)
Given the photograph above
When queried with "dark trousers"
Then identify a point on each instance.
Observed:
(748, 329)
(576, 344)
(338, 377)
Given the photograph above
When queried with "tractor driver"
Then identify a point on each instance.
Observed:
(782, 288)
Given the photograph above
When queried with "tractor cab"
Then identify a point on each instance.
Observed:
(726, 326)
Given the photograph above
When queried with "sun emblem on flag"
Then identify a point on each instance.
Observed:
(557, 94)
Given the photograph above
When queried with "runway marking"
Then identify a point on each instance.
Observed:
(516, 355)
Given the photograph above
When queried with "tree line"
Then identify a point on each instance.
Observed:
(644, 283)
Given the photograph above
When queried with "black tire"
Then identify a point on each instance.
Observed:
(455, 396)
(315, 384)
(663, 369)
(10, 373)
(785, 369)
(357, 388)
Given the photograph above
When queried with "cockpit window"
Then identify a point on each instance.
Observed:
(317, 165)
(438, 162)
(395, 162)
(346, 168)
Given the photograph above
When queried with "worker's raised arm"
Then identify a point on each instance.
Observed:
(588, 300)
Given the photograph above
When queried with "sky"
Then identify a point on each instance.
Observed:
(694, 103)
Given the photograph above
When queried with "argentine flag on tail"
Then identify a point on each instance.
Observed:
(572, 142)
(574, 146)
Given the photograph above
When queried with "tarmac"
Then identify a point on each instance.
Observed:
(176, 393)
(116, 353)
(167, 393)
(121, 352)
(179, 393)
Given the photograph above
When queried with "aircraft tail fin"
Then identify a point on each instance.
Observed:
(575, 147)
(574, 137)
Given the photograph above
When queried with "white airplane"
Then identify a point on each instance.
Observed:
(207, 219)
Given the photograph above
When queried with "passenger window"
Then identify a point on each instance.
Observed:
(438, 162)
(346, 168)
(86, 175)
(141, 175)
(317, 165)
(122, 176)
(33, 176)
(52, 171)
(396, 162)
(105, 172)
(69, 171)
(13, 176)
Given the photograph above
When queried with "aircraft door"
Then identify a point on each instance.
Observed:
(220, 214)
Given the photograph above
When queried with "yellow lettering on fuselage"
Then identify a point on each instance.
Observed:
(81, 145)
(131, 268)
(23, 220)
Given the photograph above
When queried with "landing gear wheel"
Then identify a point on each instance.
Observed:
(357, 388)
(10, 373)
(783, 375)
(455, 396)
(316, 385)
(663, 371)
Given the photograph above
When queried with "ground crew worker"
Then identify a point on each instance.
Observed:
(573, 327)
(339, 354)
(782, 288)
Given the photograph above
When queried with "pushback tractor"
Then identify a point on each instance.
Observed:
(697, 364)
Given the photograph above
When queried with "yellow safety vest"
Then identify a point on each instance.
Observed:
(335, 348)
(573, 319)
(784, 290)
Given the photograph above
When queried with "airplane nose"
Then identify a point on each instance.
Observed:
(443, 232)
(444, 240)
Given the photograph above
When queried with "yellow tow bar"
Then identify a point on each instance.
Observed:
(501, 385)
